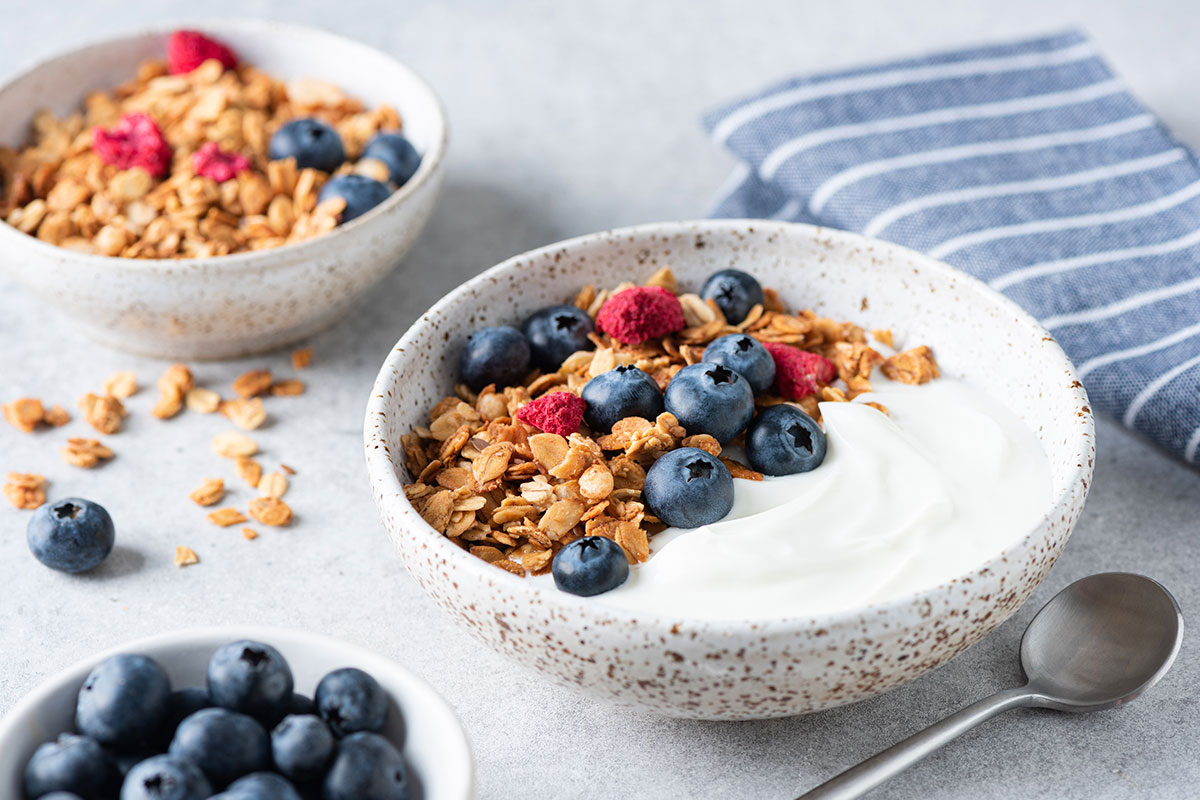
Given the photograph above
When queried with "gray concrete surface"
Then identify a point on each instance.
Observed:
(569, 118)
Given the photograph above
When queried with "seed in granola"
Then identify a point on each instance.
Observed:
(209, 493)
(25, 490)
(253, 383)
(25, 413)
(121, 385)
(225, 517)
(234, 445)
(104, 413)
(85, 453)
(202, 401)
(287, 470)
(596, 482)
(273, 484)
(270, 511)
(185, 556)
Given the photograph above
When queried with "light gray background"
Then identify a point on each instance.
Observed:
(568, 118)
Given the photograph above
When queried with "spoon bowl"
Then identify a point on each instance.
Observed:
(1101, 642)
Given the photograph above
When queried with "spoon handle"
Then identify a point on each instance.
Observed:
(857, 781)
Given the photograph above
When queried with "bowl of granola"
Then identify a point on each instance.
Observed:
(728, 469)
(214, 191)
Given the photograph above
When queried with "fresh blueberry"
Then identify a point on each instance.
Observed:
(76, 764)
(165, 778)
(350, 700)
(71, 535)
(395, 150)
(783, 440)
(360, 193)
(622, 392)
(555, 333)
(687, 488)
(302, 746)
(225, 744)
(712, 399)
(261, 786)
(123, 702)
(311, 142)
(301, 704)
(183, 703)
(494, 355)
(251, 678)
(746, 356)
(367, 767)
(589, 566)
(735, 293)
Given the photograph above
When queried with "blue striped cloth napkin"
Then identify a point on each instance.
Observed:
(1028, 165)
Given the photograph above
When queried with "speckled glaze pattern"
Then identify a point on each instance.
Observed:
(229, 306)
(759, 668)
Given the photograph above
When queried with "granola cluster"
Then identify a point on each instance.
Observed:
(215, 120)
(514, 495)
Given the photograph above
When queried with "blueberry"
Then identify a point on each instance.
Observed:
(360, 193)
(76, 764)
(494, 355)
(224, 744)
(589, 566)
(622, 392)
(735, 292)
(687, 488)
(712, 399)
(395, 150)
(183, 703)
(367, 767)
(71, 535)
(311, 142)
(783, 440)
(302, 746)
(261, 786)
(556, 332)
(251, 678)
(123, 702)
(301, 704)
(746, 356)
(165, 778)
(350, 700)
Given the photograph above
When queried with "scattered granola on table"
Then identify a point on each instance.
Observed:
(190, 160)
(25, 490)
(506, 470)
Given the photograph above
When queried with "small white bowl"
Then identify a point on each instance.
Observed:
(227, 306)
(753, 668)
(435, 746)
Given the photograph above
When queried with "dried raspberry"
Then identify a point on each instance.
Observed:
(797, 372)
(187, 50)
(640, 313)
(211, 162)
(557, 412)
(135, 141)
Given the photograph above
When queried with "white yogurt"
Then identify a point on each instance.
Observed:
(900, 504)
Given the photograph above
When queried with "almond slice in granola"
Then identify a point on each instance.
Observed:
(270, 511)
(246, 414)
(208, 493)
(253, 383)
(234, 445)
(201, 400)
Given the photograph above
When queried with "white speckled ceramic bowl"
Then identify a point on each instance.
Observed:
(434, 744)
(228, 306)
(754, 668)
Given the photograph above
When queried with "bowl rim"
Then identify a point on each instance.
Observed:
(281, 637)
(431, 158)
(388, 488)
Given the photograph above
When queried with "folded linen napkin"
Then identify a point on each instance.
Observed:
(1028, 165)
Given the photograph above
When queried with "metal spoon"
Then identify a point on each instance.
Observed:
(1098, 643)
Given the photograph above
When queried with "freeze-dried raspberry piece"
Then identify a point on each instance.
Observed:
(558, 412)
(797, 372)
(212, 162)
(135, 141)
(640, 313)
(187, 50)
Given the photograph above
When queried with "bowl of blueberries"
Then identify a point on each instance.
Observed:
(236, 713)
(180, 293)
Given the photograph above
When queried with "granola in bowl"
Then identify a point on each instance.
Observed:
(655, 434)
(186, 160)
